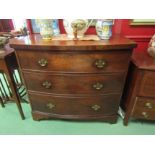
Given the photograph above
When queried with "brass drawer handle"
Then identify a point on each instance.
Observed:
(145, 114)
(100, 63)
(50, 105)
(98, 86)
(148, 105)
(95, 107)
(43, 62)
(46, 84)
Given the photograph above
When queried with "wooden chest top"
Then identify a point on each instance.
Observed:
(142, 60)
(35, 42)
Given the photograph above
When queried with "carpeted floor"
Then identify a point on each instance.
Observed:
(11, 123)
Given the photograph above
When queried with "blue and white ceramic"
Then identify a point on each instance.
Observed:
(55, 26)
(104, 28)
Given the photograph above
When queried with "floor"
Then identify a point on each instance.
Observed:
(11, 123)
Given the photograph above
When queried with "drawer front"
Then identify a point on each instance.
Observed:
(74, 83)
(83, 62)
(103, 105)
(144, 108)
(147, 87)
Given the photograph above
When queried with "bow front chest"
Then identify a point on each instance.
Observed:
(74, 79)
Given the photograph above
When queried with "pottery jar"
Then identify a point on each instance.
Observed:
(104, 28)
(46, 29)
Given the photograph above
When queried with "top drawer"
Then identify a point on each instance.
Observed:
(79, 62)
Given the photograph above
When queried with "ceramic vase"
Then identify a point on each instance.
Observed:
(46, 29)
(55, 26)
(104, 28)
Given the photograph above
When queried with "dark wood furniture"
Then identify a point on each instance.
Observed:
(80, 80)
(8, 63)
(139, 95)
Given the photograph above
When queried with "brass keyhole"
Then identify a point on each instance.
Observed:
(50, 105)
(95, 107)
(43, 62)
(98, 86)
(145, 114)
(148, 105)
(47, 84)
(100, 63)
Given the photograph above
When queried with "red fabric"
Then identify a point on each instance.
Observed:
(140, 34)
(29, 26)
(6, 25)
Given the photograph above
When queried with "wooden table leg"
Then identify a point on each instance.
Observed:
(12, 84)
(126, 119)
(2, 97)
(4, 91)
(10, 93)
(1, 102)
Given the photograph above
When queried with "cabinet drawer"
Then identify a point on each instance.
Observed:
(144, 108)
(83, 62)
(102, 105)
(147, 87)
(147, 103)
(74, 83)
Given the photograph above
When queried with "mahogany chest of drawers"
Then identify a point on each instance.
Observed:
(80, 80)
(139, 95)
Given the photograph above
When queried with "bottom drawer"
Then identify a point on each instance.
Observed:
(144, 108)
(98, 105)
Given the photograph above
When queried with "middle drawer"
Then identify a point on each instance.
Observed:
(74, 83)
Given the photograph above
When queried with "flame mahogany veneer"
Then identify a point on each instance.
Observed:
(79, 80)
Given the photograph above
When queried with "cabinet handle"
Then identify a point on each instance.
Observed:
(145, 114)
(50, 105)
(95, 107)
(43, 62)
(148, 105)
(100, 63)
(98, 86)
(46, 84)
